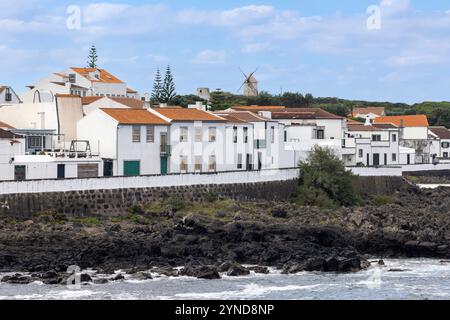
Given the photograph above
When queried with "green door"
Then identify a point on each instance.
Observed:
(164, 163)
(131, 168)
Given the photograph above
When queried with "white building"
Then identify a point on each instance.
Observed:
(371, 145)
(8, 95)
(49, 125)
(413, 134)
(131, 142)
(11, 145)
(197, 138)
(77, 81)
(440, 143)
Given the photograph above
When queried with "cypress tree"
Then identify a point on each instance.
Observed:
(168, 92)
(157, 91)
(92, 57)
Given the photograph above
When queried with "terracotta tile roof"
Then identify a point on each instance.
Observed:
(258, 108)
(231, 118)
(61, 95)
(104, 76)
(379, 111)
(5, 126)
(129, 102)
(375, 127)
(419, 120)
(134, 116)
(351, 121)
(245, 116)
(304, 113)
(185, 114)
(89, 100)
(129, 90)
(441, 132)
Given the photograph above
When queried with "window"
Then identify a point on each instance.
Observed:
(72, 77)
(212, 134)
(239, 161)
(272, 134)
(445, 145)
(394, 138)
(183, 134)
(285, 135)
(360, 153)
(183, 164)
(245, 135)
(198, 134)
(136, 134)
(319, 134)
(376, 137)
(35, 142)
(198, 163)
(394, 157)
(150, 134)
(212, 163)
(446, 155)
(235, 134)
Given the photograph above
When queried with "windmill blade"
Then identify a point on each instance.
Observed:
(251, 74)
(243, 73)
(243, 83)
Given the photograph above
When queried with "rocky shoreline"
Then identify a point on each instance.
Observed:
(219, 237)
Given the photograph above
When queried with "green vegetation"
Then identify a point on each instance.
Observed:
(89, 221)
(324, 181)
(381, 200)
(92, 57)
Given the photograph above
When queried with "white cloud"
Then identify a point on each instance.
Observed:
(100, 12)
(210, 57)
(392, 7)
(256, 47)
(227, 18)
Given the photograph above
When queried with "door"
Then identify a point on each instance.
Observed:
(131, 168)
(107, 168)
(259, 160)
(376, 159)
(19, 173)
(163, 143)
(61, 171)
(164, 162)
(249, 162)
(88, 170)
(408, 159)
(385, 159)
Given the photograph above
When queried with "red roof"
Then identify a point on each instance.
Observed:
(134, 116)
(379, 111)
(187, 114)
(104, 76)
(419, 120)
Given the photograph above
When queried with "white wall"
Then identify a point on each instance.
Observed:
(41, 186)
(415, 133)
(7, 152)
(29, 115)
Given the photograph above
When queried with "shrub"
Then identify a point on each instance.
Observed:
(176, 204)
(211, 197)
(383, 200)
(324, 181)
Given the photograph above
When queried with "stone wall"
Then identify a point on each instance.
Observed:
(367, 186)
(118, 201)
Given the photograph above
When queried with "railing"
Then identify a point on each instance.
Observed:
(166, 149)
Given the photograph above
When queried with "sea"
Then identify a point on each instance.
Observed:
(416, 279)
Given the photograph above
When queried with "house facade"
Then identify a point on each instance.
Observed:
(131, 142)
(440, 144)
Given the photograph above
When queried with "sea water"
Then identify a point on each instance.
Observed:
(408, 279)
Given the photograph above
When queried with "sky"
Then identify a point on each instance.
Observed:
(322, 47)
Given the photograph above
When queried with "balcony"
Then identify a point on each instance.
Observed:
(165, 150)
(260, 144)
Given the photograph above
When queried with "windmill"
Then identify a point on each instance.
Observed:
(250, 84)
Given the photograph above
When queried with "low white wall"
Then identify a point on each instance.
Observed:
(426, 167)
(40, 186)
(377, 172)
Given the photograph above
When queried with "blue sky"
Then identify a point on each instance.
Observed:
(321, 47)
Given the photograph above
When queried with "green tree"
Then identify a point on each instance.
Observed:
(324, 181)
(157, 87)
(168, 92)
(92, 57)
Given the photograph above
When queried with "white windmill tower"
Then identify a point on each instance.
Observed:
(250, 84)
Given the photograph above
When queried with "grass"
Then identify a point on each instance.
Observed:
(381, 200)
(88, 221)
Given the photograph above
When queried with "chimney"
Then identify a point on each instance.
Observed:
(368, 122)
(402, 123)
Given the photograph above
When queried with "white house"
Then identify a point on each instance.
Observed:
(131, 142)
(77, 81)
(197, 138)
(440, 143)
(368, 113)
(50, 125)
(268, 140)
(8, 95)
(11, 145)
(371, 145)
(414, 134)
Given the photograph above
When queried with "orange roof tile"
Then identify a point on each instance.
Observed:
(129, 102)
(245, 116)
(104, 76)
(134, 116)
(259, 108)
(419, 120)
(89, 100)
(5, 126)
(185, 114)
